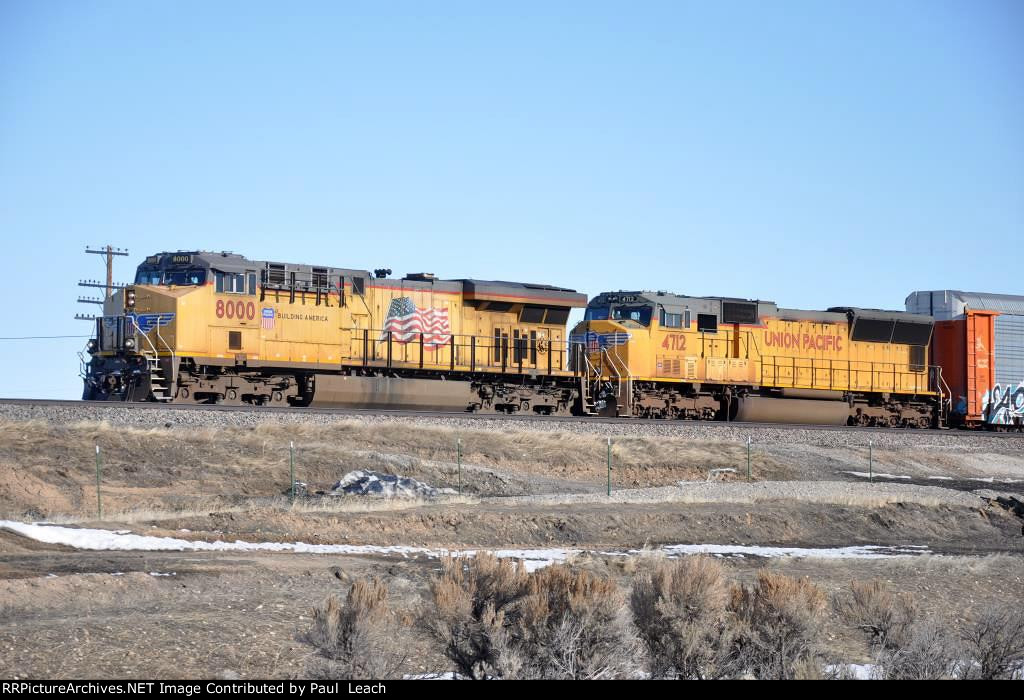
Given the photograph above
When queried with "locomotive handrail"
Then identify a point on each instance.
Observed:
(618, 376)
(160, 338)
(901, 378)
(370, 346)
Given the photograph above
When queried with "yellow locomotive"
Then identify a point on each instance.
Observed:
(201, 327)
(660, 355)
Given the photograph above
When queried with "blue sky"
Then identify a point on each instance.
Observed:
(814, 153)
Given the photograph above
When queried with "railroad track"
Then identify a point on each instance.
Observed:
(264, 410)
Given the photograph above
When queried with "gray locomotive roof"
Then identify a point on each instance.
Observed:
(946, 304)
(883, 315)
(232, 262)
(835, 314)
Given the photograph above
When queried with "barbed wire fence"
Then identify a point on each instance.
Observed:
(291, 483)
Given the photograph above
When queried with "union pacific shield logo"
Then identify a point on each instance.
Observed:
(597, 341)
(147, 322)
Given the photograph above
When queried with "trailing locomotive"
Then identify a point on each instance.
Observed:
(659, 355)
(200, 327)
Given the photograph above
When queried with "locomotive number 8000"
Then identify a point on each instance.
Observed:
(236, 309)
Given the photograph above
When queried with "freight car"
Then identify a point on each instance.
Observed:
(201, 327)
(660, 355)
(979, 344)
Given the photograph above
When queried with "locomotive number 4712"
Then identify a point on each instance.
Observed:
(674, 341)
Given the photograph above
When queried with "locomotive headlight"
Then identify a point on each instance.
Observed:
(129, 343)
(91, 346)
(129, 298)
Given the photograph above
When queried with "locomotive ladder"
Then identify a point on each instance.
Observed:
(588, 375)
(623, 379)
(157, 380)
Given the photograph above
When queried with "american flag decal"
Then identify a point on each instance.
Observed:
(267, 318)
(406, 321)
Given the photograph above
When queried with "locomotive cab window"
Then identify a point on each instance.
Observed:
(596, 313)
(669, 320)
(637, 314)
(147, 277)
(229, 283)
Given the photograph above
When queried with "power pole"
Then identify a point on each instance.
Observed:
(109, 252)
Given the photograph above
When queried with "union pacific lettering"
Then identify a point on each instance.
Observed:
(805, 341)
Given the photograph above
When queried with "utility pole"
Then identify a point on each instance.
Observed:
(108, 252)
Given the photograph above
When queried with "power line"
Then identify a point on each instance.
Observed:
(42, 337)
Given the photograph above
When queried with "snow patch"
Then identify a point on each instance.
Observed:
(860, 672)
(732, 550)
(370, 483)
(533, 559)
(879, 475)
(447, 676)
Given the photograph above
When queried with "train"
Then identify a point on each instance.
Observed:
(201, 327)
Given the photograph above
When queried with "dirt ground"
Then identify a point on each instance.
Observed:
(104, 614)
(67, 614)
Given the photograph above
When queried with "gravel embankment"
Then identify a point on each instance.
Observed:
(820, 492)
(698, 431)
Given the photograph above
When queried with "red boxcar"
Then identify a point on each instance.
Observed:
(979, 345)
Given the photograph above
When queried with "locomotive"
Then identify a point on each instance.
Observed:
(661, 355)
(201, 327)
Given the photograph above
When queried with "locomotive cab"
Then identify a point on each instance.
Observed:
(136, 351)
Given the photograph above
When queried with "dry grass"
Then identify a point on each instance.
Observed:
(995, 644)
(780, 624)
(818, 492)
(355, 638)
(886, 618)
(47, 468)
(475, 608)
(574, 625)
(495, 620)
(353, 504)
(681, 609)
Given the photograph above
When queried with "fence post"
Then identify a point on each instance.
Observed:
(871, 463)
(99, 499)
(291, 465)
(748, 458)
(609, 467)
(458, 452)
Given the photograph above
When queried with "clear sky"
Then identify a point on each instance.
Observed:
(814, 153)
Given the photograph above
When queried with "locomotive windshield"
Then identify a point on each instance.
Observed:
(180, 277)
(596, 313)
(639, 314)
